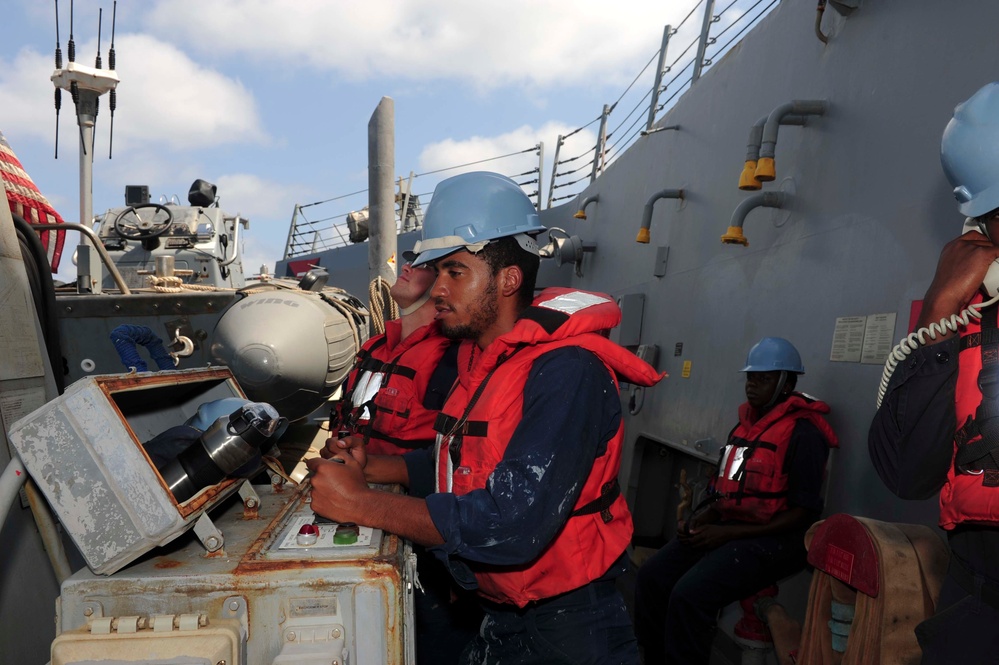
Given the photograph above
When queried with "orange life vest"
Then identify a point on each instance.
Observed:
(485, 408)
(752, 479)
(391, 415)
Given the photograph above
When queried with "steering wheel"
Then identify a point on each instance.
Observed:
(144, 226)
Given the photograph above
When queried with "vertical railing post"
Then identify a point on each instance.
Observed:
(551, 187)
(601, 140)
(541, 169)
(292, 231)
(702, 45)
(667, 31)
(405, 203)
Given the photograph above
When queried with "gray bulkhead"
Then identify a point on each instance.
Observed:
(869, 210)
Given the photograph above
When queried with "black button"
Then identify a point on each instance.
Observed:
(942, 356)
(913, 363)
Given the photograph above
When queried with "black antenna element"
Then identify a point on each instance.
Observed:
(114, 15)
(74, 88)
(71, 46)
(113, 102)
(58, 90)
(100, 18)
(97, 65)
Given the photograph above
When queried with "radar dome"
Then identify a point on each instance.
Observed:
(291, 349)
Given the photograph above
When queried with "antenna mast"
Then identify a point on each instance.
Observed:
(86, 85)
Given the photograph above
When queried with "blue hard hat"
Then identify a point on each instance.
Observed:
(469, 210)
(773, 354)
(969, 152)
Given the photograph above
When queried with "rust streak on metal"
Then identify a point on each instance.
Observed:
(169, 563)
(265, 535)
(384, 570)
(198, 502)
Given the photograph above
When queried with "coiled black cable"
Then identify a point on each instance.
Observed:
(36, 265)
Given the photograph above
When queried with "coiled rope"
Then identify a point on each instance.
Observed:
(379, 298)
(912, 342)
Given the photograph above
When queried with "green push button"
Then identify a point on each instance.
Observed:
(345, 534)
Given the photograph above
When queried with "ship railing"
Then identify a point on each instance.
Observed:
(314, 230)
(665, 82)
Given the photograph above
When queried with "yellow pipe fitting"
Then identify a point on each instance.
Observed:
(766, 171)
(581, 213)
(643, 236)
(747, 179)
(734, 236)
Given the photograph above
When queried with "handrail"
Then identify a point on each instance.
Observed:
(235, 242)
(98, 245)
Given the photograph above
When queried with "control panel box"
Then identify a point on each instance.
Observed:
(269, 597)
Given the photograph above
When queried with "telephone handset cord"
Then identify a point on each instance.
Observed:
(913, 341)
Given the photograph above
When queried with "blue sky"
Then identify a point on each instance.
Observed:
(270, 100)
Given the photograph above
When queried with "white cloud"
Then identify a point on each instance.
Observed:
(268, 205)
(255, 197)
(28, 96)
(167, 98)
(448, 153)
(552, 43)
(257, 254)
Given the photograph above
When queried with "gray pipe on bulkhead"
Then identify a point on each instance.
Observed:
(734, 235)
(643, 232)
(581, 213)
(765, 169)
(820, 10)
(747, 180)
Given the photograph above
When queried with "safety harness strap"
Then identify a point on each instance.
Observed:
(445, 424)
(978, 439)
(454, 442)
(609, 492)
(740, 473)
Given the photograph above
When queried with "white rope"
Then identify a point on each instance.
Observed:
(379, 300)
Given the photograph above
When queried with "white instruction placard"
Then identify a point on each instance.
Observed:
(15, 404)
(848, 339)
(878, 338)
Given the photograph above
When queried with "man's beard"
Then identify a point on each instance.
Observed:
(483, 315)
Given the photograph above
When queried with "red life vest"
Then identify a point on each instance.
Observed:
(971, 497)
(393, 419)
(752, 478)
(485, 408)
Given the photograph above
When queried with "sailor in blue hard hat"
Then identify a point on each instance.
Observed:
(772, 369)
(935, 431)
(748, 533)
(521, 473)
